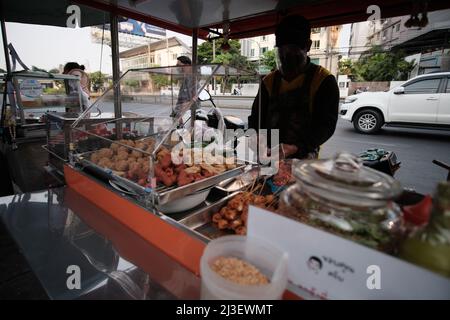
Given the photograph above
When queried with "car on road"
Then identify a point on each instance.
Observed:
(423, 101)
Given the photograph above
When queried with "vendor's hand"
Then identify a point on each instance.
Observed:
(287, 150)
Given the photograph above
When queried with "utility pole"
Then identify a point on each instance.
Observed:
(214, 58)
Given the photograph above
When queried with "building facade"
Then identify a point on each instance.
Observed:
(323, 51)
(159, 53)
(428, 46)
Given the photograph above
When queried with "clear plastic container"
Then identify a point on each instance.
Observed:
(344, 197)
(270, 260)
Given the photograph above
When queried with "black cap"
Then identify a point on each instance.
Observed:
(293, 30)
(184, 60)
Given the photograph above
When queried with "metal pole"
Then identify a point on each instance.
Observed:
(5, 46)
(194, 71)
(114, 24)
(214, 58)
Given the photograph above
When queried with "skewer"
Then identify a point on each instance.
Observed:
(262, 187)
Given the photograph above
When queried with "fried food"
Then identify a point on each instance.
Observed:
(122, 155)
(105, 153)
(235, 212)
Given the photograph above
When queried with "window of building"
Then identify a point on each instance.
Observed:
(264, 38)
(315, 30)
(342, 85)
(448, 86)
(252, 52)
(314, 60)
(264, 49)
(316, 44)
(385, 32)
(174, 56)
(397, 27)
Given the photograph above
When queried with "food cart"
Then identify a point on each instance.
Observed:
(128, 202)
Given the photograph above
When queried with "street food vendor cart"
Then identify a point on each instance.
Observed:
(115, 189)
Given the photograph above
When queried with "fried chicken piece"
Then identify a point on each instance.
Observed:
(235, 224)
(165, 160)
(180, 167)
(241, 230)
(193, 170)
(216, 217)
(165, 176)
(184, 178)
(222, 224)
(230, 214)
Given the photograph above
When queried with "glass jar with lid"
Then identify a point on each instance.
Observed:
(344, 197)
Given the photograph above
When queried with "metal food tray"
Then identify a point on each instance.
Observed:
(161, 194)
(200, 222)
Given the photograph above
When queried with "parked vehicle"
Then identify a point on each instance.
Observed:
(423, 101)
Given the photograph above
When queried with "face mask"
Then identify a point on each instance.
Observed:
(291, 59)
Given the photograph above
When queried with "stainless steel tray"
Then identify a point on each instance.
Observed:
(200, 222)
(159, 195)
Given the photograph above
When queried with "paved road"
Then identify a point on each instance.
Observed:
(414, 148)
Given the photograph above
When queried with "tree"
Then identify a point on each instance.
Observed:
(378, 65)
(54, 71)
(346, 67)
(2, 71)
(232, 57)
(268, 60)
(97, 80)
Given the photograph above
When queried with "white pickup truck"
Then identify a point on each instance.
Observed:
(423, 101)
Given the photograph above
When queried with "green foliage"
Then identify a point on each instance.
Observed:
(54, 71)
(56, 90)
(346, 67)
(378, 65)
(268, 60)
(132, 83)
(160, 80)
(97, 80)
(231, 57)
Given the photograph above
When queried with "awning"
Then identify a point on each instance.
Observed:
(247, 17)
(49, 12)
(251, 17)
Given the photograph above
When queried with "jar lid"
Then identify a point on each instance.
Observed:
(346, 180)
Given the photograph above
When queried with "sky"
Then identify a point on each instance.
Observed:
(47, 47)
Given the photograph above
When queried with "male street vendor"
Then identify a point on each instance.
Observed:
(300, 98)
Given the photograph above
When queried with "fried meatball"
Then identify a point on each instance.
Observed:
(105, 153)
(114, 147)
(122, 165)
(105, 162)
(136, 154)
(95, 157)
(122, 155)
(122, 149)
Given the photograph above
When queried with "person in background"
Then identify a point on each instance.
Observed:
(75, 69)
(186, 90)
(300, 99)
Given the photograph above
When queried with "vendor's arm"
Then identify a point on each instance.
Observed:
(324, 116)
